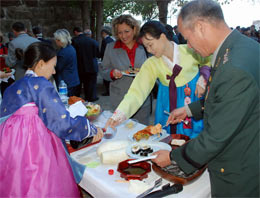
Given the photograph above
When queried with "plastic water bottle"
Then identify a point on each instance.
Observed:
(63, 92)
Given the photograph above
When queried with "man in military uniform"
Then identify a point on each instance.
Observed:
(229, 143)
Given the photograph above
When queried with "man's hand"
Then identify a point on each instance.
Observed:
(176, 116)
(99, 135)
(163, 158)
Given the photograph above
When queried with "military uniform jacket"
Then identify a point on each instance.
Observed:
(229, 143)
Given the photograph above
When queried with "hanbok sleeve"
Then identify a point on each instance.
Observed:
(139, 89)
(54, 114)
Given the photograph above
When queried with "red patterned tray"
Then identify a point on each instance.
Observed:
(71, 150)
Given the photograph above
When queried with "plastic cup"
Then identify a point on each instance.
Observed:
(109, 133)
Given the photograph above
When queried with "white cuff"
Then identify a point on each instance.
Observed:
(188, 111)
(118, 116)
(202, 82)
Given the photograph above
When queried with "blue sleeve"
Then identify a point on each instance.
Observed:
(61, 61)
(54, 114)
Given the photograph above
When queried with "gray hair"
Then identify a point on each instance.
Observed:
(208, 10)
(88, 32)
(63, 36)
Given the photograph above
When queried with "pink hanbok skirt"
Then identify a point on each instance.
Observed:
(33, 161)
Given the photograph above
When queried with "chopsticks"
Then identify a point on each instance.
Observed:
(167, 113)
(142, 159)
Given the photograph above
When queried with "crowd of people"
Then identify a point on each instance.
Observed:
(207, 76)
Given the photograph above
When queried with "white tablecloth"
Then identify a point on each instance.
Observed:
(100, 184)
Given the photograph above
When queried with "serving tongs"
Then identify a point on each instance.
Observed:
(157, 183)
(165, 191)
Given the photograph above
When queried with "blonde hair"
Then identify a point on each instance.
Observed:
(128, 20)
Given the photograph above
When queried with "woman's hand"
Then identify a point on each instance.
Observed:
(5, 75)
(99, 135)
(163, 158)
(117, 74)
(176, 116)
(111, 123)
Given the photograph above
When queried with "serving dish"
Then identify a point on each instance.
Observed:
(138, 170)
(173, 173)
(94, 110)
(175, 176)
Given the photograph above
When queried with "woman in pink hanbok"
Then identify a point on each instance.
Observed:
(34, 126)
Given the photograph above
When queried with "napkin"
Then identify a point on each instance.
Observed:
(138, 187)
(77, 109)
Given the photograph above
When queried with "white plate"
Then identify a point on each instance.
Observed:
(131, 75)
(155, 137)
(156, 146)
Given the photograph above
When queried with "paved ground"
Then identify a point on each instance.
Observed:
(105, 105)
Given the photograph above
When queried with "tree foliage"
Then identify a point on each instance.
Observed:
(148, 9)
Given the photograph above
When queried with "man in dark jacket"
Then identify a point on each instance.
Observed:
(87, 53)
(229, 143)
(106, 38)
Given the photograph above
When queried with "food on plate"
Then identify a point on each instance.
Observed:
(93, 109)
(147, 132)
(177, 142)
(130, 125)
(74, 99)
(142, 150)
(147, 148)
(136, 149)
(132, 70)
(7, 70)
(113, 152)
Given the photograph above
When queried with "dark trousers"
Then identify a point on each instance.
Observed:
(89, 81)
(74, 91)
(4, 85)
(106, 84)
